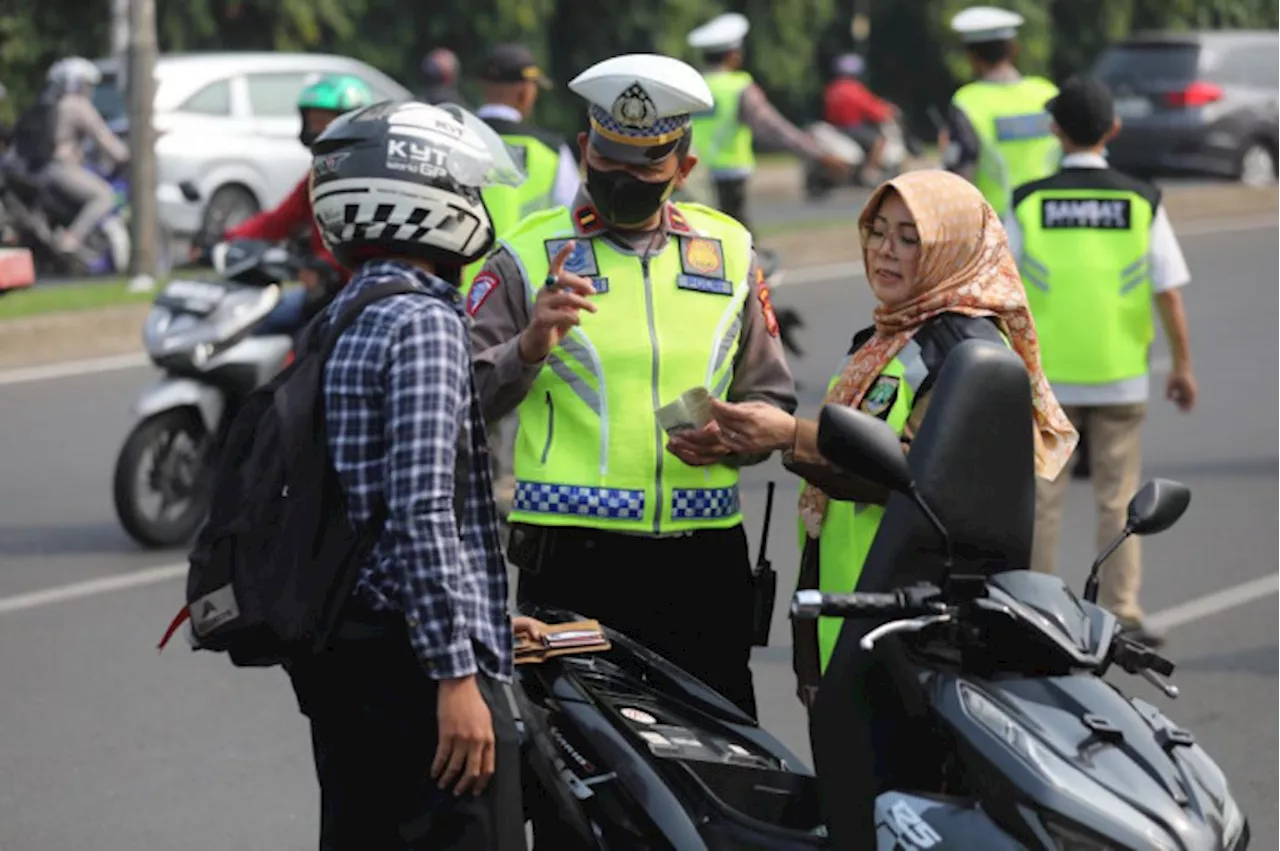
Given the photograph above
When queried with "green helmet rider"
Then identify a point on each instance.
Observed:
(326, 99)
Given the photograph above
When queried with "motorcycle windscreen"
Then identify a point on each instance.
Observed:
(973, 462)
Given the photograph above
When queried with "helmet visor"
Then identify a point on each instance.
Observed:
(490, 165)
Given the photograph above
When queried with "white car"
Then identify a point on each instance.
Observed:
(229, 124)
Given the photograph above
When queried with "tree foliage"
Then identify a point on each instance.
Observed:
(913, 58)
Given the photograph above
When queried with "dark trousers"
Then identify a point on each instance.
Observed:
(731, 198)
(687, 598)
(374, 732)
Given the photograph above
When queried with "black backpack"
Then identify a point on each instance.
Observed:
(33, 134)
(278, 558)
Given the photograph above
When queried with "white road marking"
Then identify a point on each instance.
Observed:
(1216, 603)
(68, 369)
(1171, 618)
(91, 588)
(794, 276)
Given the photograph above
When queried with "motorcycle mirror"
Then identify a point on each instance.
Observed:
(1154, 508)
(189, 191)
(865, 446)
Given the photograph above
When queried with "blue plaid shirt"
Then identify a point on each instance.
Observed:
(402, 416)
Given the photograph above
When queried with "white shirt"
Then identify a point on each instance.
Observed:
(567, 180)
(1168, 272)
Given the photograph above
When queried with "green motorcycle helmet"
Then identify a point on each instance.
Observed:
(336, 94)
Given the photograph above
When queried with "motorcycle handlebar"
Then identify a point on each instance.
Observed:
(810, 604)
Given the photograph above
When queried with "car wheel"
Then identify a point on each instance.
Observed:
(1258, 165)
(228, 207)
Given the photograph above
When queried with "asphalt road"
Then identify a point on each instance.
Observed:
(107, 746)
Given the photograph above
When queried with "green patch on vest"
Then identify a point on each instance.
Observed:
(881, 396)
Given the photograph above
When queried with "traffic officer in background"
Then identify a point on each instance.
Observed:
(997, 125)
(589, 318)
(512, 80)
(1094, 247)
(725, 131)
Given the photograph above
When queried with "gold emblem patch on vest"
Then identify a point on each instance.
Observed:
(702, 256)
(881, 396)
(583, 259)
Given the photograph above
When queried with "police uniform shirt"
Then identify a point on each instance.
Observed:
(503, 379)
(1168, 272)
(567, 180)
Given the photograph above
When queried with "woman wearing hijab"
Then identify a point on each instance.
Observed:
(938, 263)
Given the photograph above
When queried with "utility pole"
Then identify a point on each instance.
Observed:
(142, 147)
(120, 39)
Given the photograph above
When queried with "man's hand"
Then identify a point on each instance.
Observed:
(465, 752)
(698, 447)
(308, 277)
(1181, 388)
(555, 309)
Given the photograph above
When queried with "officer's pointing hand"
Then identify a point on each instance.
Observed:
(555, 310)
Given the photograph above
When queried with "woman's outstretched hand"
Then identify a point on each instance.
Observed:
(749, 428)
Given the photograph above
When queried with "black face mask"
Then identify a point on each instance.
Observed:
(624, 199)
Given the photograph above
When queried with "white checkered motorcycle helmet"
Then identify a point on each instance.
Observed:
(403, 179)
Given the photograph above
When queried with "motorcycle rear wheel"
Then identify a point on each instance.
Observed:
(185, 475)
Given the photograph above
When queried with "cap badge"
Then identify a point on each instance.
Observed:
(634, 108)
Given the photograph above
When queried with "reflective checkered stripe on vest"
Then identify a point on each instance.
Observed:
(1013, 131)
(1087, 271)
(589, 451)
(722, 140)
(507, 205)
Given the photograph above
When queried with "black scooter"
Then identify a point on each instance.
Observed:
(994, 727)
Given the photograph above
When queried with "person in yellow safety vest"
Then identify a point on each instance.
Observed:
(725, 132)
(997, 125)
(939, 267)
(512, 80)
(1095, 247)
(589, 319)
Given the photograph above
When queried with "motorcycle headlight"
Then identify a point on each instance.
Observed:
(1067, 779)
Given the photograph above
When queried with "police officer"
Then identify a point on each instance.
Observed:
(726, 130)
(1095, 246)
(997, 126)
(589, 318)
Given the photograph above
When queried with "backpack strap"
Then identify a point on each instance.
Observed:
(353, 309)
(341, 323)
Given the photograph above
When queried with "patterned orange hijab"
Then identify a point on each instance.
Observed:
(965, 267)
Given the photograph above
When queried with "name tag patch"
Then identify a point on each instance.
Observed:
(697, 283)
(583, 259)
(601, 285)
(1085, 213)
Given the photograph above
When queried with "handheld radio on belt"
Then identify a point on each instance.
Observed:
(764, 582)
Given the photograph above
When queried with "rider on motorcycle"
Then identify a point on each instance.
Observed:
(50, 138)
(319, 104)
(849, 106)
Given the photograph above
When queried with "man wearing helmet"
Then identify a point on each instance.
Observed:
(50, 139)
(410, 704)
(319, 104)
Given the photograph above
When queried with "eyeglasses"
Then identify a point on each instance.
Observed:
(874, 237)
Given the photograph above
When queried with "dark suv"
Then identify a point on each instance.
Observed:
(1199, 102)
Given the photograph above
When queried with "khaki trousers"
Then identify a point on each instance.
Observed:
(1115, 448)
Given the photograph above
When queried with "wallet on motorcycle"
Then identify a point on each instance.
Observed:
(562, 639)
(764, 582)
